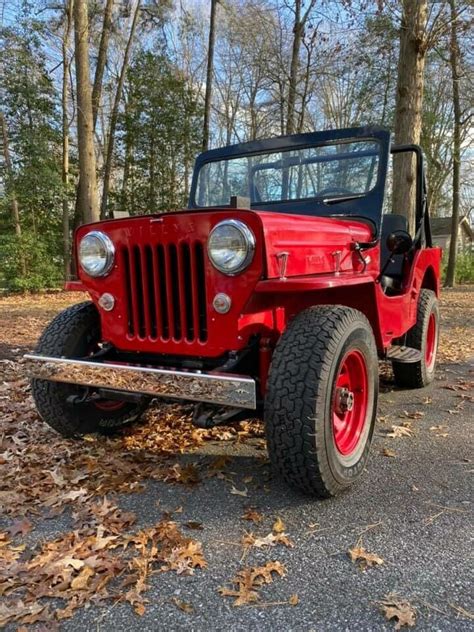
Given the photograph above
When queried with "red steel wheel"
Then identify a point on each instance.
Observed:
(321, 400)
(431, 342)
(350, 400)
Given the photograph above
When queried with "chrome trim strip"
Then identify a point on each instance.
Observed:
(214, 388)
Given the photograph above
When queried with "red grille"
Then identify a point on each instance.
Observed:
(165, 291)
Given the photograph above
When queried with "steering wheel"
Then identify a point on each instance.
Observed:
(335, 191)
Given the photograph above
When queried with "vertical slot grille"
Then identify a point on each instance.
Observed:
(165, 291)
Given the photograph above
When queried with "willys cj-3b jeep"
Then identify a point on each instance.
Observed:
(274, 294)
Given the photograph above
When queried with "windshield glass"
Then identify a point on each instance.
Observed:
(328, 171)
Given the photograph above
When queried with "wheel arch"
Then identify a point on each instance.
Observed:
(360, 297)
(430, 280)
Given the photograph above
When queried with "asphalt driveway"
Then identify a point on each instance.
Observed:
(412, 508)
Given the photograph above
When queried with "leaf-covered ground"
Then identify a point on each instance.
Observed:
(167, 525)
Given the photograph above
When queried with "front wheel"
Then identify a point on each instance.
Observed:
(75, 333)
(321, 400)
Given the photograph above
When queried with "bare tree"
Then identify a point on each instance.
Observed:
(101, 58)
(65, 125)
(454, 59)
(209, 76)
(88, 203)
(409, 99)
(301, 18)
(115, 111)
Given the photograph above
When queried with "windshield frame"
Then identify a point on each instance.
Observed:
(365, 206)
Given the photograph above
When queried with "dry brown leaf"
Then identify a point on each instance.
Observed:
(272, 539)
(399, 431)
(248, 580)
(252, 515)
(278, 526)
(80, 582)
(414, 415)
(194, 524)
(388, 452)
(139, 608)
(294, 600)
(21, 527)
(400, 610)
(363, 558)
(182, 605)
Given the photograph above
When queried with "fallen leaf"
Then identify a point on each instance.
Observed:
(238, 492)
(399, 431)
(388, 452)
(294, 600)
(278, 526)
(414, 415)
(363, 558)
(252, 515)
(194, 524)
(20, 527)
(71, 561)
(80, 582)
(401, 610)
(272, 539)
(248, 580)
(139, 608)
(182, 605)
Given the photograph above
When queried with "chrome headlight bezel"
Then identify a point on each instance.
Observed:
(248, 238)
(109, 250)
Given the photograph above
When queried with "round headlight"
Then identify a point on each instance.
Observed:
(231, 246)
(96, 254)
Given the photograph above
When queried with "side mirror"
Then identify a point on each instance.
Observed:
(399, 242)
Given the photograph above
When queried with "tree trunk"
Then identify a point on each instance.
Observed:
(298, 32)
(294, 66)
(454, 58)
(65, 124)
(408, 108)
(114, 115)
(128, 162)
(101, 59)
(209, 78)
(88, 203)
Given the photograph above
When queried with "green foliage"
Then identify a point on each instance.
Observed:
(464, 267)
(160, 132)
(30, 104)
(29, 263)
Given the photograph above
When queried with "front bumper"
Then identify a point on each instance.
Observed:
(215, 388)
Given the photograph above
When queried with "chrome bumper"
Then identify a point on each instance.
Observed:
(214, 388)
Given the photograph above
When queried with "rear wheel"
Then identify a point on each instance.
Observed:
(424, 336)
(75, 333)
(321, 400)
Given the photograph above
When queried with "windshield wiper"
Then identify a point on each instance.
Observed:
(345, 198)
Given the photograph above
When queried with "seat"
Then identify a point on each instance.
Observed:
(393, 273)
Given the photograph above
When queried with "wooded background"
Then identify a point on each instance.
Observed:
(105, 104)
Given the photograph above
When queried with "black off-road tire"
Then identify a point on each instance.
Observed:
(71, 334)
(300, 398)
(419, 374)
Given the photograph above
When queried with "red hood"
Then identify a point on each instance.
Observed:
(312, 243)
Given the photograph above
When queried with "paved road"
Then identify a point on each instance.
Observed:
(420, 499)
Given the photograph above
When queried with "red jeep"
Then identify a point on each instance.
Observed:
(274, 294)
